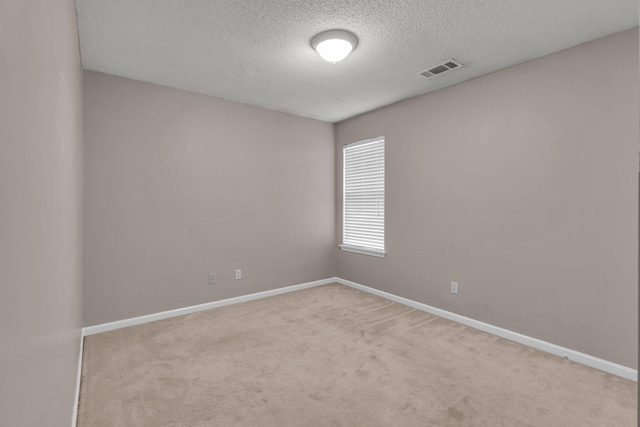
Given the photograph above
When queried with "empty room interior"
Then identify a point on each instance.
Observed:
(331, 213)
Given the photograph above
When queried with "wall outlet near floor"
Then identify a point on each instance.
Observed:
(238, 274)
(454, 288)
(212, 279)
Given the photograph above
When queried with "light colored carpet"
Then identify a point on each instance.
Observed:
(335, 356)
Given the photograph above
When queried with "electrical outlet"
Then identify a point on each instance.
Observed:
(454, 288)
(238, 274)
(212, 279)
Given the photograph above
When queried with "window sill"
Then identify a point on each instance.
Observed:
(379, 254)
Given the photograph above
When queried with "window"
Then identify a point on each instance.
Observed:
(363, 197)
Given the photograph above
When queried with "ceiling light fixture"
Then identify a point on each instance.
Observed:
(334, 45)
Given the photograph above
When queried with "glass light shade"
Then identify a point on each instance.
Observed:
(334, 45)
(334, 50)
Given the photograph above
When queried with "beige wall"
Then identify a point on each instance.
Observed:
(521, 186)
(40, 211)
(179, 185)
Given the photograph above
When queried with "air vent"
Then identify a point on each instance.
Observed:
(442, 68)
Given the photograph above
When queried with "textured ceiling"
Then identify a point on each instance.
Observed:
(257, 51)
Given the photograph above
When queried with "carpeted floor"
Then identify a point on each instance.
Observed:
(335, 356)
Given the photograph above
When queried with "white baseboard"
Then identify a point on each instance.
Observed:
(76, 401)
(576, 356)
(90, 330)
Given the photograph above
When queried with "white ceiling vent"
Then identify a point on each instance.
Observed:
(441, 68)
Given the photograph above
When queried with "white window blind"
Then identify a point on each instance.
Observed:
(363, 192)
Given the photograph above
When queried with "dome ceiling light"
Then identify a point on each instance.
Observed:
(334, 45)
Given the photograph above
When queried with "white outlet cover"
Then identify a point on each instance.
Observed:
(454, 288)
(212, 279)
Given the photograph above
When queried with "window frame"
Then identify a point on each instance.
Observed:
(350, 247)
